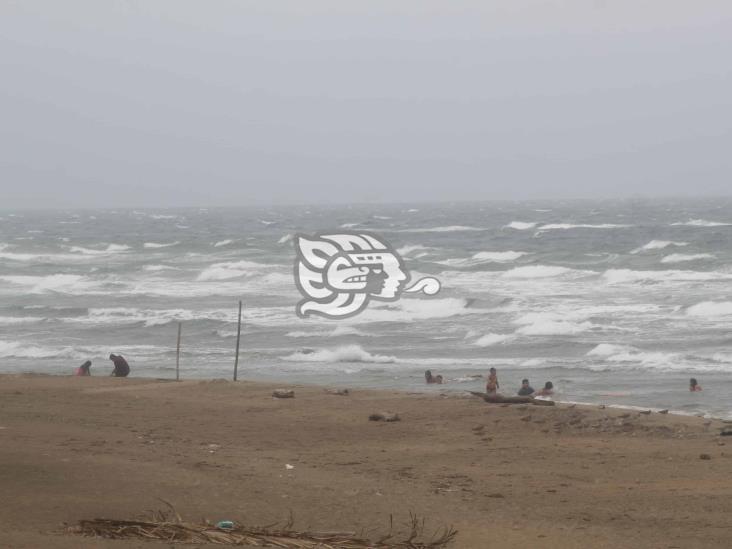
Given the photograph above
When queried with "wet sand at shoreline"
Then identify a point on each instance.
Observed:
(503, 476)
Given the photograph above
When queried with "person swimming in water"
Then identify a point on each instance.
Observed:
(526, 389)
(83, 370)
(547, 390)
(429, 378)
(694, 386)
(121, 368)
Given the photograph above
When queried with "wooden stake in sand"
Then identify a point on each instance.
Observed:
(238, 338)
(177, 355)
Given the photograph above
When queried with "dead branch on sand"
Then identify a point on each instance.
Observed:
(169, 527)
(500, 399)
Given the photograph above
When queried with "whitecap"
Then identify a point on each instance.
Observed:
(702, 223)
(710, 309)
(346, 353)
(154, 245)
(679, 258)
(491, 339)
(658, 245)
(520, 225)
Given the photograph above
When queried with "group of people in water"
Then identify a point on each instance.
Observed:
(121, 368)
(492, 385)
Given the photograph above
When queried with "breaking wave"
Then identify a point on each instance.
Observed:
(679, 258)
(347, 353)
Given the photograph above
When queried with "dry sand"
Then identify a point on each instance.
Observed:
(504, 476)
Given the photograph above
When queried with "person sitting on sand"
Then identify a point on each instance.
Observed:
(526, 389)
(429, 378)
(548, 390)
(83, 370)
(694, 386)
(491, 387)
(121, 368)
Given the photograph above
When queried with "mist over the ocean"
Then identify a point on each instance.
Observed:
(614, 301)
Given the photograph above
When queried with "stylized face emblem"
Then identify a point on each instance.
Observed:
(338, 274)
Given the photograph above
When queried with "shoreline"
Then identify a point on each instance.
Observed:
(561, 476)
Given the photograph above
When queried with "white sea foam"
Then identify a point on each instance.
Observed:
(491, 339)
(411, 309)
(157, 268)
(346, 353)
(520, 225)
(628, 276)
(658, 245)
(336, 332)
(554, 327)
(154, 245)
(710, 309)
(409, 250)
(679, 258)
(61, 283)
(285, 239)
(568, 226)
(11, 320)
(702, 223)
(349, 225)
(448, 229)
(538, 271)
(609, 349)
(484, 257)
(162, 216)
(221, 243)
(110, 249)
(224, 271)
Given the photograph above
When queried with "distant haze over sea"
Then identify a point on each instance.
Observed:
(618, 302)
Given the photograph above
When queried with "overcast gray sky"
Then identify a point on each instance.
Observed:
(170, 103)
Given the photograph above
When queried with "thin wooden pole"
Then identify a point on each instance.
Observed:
(177, 355)
(238, 338)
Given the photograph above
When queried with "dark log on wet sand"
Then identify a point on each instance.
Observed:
(500, 399)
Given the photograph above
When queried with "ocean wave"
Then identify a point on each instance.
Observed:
(156, 268)
(110, 249)
(221, 243)
(701, 223)
(628, 276)
(162, 216)
(554, 327)
(658, 245)
(62, 283)
(412, 309)
(236, 269)
(149, 317)
(520, 225)
(484, 257)
(408, 250)
(568, 226)
(609, 349)
(154, 245)
(285, 239)
(447, 229)
(491, 339)
(679, 258)
(539, 271)
(11, 320)
(336, 332)
(346, 353)
(710, 309)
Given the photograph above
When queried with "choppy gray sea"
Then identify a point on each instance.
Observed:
(618, 302)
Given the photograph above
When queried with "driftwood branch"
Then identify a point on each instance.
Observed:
(168, 526)
(500, 399)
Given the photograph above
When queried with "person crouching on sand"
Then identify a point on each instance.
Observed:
(491, 387)
(694, 386)
(83, 370)
(547, 390)
(121, 368)
(429, 378)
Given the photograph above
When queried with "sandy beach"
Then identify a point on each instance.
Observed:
(503, 476)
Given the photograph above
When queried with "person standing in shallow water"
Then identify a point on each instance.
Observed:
(121, 368)
(694, 386)
(491, 387)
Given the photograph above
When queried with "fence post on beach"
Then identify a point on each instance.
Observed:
(238, 338)
(177, 355)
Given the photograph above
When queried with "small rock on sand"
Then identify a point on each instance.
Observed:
(384, 416)
(663, 411)
(283, 393)
(338, 392)
(705, 456)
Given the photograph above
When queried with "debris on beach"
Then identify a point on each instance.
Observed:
(171, 528)
(283, 393)
(500, 399)
(338, 392)
(705, 457)
(384, 416)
